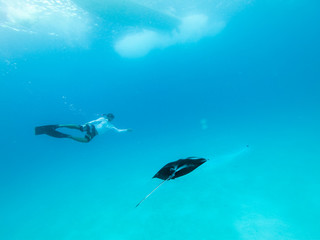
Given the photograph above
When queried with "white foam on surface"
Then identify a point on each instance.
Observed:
(141, 43)
(198, 19)
(191, 29)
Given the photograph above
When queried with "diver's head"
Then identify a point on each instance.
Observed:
(108, 116)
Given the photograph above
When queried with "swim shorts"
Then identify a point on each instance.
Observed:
(91, 131)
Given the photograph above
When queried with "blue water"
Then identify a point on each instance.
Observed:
(202, 78)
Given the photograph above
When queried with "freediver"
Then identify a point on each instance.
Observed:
(92, 129)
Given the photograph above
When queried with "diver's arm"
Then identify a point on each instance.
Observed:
(121, 130)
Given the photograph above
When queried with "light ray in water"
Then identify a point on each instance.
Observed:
(229, 157)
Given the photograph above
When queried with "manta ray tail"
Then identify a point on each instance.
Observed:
(152, 191)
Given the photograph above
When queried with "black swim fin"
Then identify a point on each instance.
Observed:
(50, 130)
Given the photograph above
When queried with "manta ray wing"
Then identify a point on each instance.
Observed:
(175, 169)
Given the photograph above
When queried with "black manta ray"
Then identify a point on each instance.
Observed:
(176, 169)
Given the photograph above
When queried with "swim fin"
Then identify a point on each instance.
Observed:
(50, 130)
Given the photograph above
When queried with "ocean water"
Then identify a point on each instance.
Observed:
(235, 81)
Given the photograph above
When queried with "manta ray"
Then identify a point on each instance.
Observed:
(176, 169)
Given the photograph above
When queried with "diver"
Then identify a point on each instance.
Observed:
(92, 129)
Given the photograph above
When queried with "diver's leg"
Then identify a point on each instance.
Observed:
(71, 126)
(80, 139)
(87, 138)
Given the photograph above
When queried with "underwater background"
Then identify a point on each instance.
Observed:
(236, 82)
